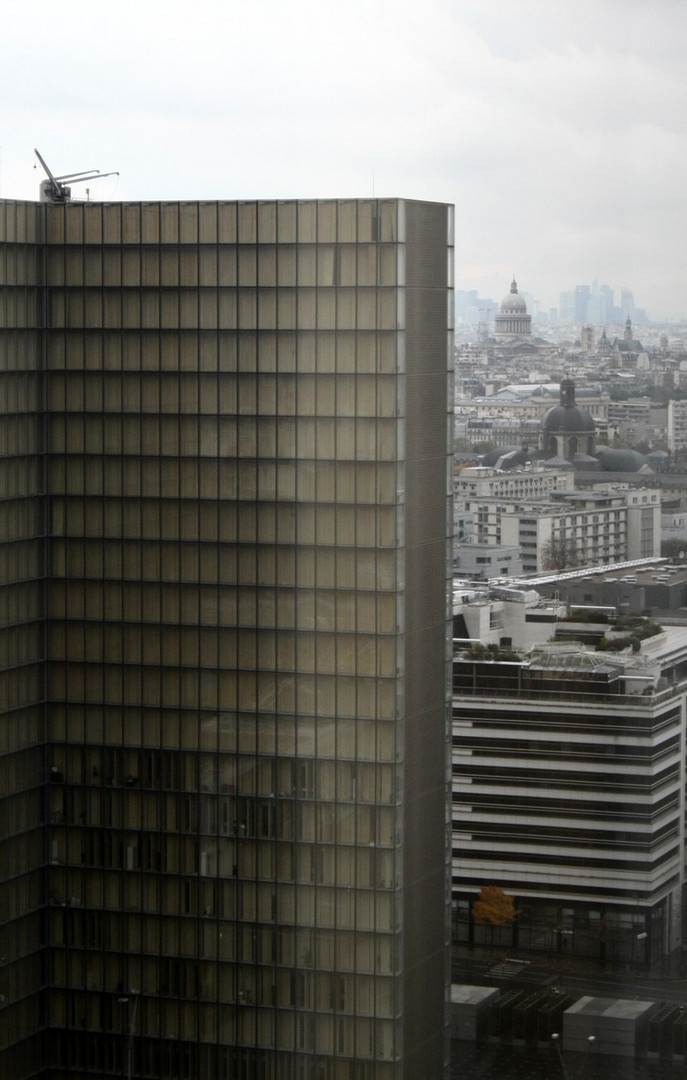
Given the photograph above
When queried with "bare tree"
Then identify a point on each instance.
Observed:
(560, 553)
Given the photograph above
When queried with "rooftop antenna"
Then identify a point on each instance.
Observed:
(56, 190)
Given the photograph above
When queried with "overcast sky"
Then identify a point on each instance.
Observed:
(557, 127)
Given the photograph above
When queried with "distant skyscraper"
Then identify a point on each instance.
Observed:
(566, 306)
(225, 539)
(606, 302)
(627, 303)
(582, 295)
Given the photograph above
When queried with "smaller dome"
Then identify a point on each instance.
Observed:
(568, 419)
(613, 460)
(492, 456)
(512, 458)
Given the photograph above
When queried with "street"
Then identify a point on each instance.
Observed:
(481, 972)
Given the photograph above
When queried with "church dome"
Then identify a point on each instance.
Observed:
(568, 417)
(560, 418)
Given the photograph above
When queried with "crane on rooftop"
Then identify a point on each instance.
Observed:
(57, 189)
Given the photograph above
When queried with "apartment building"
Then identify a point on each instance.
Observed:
(582, 528)
(532, 483)
(677, 425)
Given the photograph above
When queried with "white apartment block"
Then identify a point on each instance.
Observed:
(579, 529)
(677, 425)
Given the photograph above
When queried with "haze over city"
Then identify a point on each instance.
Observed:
(343, 700)
(557, 130)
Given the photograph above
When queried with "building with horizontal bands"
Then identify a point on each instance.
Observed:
(225, 517)
(568, 788)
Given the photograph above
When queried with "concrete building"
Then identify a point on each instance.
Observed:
(500, 431)
(677, 425)
(674, 527)
(499, 614)
(584, 528)
(531, 401)
(642, 586)
(486, 561)
(587, 341)
(635, 421)
(224, 533)
(568, 793)
(633, 411)
(532, 483)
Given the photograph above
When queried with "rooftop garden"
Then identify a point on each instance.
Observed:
(491, 652)
(629, 631)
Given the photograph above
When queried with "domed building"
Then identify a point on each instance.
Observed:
(567, 428)
(512, 320)
(612, 459)
(567, 440)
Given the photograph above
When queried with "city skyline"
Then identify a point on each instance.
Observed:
(595, 303)
(558, 136)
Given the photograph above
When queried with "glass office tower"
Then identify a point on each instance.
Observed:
(224, 531)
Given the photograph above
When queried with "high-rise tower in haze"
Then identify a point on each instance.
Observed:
(225, 511)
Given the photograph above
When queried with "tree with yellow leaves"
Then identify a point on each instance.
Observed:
(493, 907)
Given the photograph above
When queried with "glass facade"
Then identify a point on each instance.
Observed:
(22, 670)
(226, 546)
